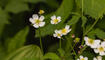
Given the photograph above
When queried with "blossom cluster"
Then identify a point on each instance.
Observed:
(38, 21)
(97, 45)
(85, 58)
(64, 31)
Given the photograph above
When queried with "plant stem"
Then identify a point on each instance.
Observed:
(91, 27)
(83, 26)
(82, 50)
(40, 41)
(60, 43)
(73, 50)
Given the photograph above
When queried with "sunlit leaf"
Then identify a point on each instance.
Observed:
(51, 56)
(93, 8)
(30, 51)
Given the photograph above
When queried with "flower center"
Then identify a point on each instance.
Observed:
(64, 30)
(58, 34)
(91, 41)
(82, 59)
(37, 21)
(55, 20)
(101, 49)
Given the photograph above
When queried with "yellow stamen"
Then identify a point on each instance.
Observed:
(101, 49)
(37, 21)
(58, 34)
(64, 31)
(82, 59)
(91, 41)
(56, 20)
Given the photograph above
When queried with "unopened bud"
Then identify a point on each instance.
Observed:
(73, 36)
(77, 40)
(41, 12)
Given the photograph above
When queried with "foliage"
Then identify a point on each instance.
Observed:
(19, 40)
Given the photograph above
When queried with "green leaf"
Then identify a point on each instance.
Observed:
(101, 23)
(74, 20)
(4, 20)
(61, 52)
(91, 34)
(97, 32)
(16, 6)
(84, 20)
(100, 33)
(30, 58)
(88, 54)
(51, 56)
(93, 8)
(30, 51)
(18, 40)
(34, 1)
(2, 52)
(64, 11)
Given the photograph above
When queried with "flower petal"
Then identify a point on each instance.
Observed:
(86, 58)
(41, 24)
(35, 16)
(54, 35)
(31, 20)
(52, 22)
(36, 26)
(94, 58)
(53, 17)
(59, 18)
(99, 57)
(41, 18)
(103, 44)
(86, 38)
(81, 56)
(96, 51)
(102, 53)
(67, 27)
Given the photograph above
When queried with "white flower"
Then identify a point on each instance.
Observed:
(97, 58)
(37, 21)
(82, 58)
(100, 49)
(92, 43)
(66, 30)
(55, 20)
(57, 34)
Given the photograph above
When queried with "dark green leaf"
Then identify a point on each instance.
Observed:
(3, 19)
(18, 40)
(84, 20)
(16, 6)
(74, 20)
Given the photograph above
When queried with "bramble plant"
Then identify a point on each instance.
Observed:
(52, 30)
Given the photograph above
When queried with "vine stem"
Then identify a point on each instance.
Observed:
(60, 43)
(91, 27)
(40, 41)
(82, 50)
